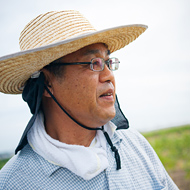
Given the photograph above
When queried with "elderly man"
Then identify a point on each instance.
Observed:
(78, 137)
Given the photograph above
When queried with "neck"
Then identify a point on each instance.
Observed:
(60, 127)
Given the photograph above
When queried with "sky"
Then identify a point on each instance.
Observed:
(153, 82)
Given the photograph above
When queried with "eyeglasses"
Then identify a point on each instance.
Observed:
(96, 64)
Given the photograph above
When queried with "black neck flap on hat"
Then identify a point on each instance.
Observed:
(32, 94)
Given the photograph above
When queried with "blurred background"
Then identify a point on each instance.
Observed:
(153, 82)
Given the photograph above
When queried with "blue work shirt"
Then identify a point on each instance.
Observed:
(141, 169)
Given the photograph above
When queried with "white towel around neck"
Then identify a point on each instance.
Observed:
(86, 162)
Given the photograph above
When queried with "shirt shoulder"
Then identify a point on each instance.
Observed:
(19, 169)
(8, 170)
(137, 145)
(141, 160)
(134, 138)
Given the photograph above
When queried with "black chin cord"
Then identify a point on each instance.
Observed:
(113, 148)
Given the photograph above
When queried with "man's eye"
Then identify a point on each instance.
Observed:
(97, 63)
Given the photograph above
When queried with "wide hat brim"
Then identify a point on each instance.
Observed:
(17, 68)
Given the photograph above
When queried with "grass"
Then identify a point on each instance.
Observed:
(3, 162)
(173, 147)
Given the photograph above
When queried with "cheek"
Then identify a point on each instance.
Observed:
(84, 91)
(88, 89)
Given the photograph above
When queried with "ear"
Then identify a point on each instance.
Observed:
(48, 82)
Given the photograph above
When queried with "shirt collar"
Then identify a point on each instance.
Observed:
(112, 130)
(48, 168)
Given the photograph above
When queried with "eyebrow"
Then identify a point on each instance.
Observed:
(95, 51)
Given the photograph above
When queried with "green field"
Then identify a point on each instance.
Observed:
(3, 162)
(173, 148)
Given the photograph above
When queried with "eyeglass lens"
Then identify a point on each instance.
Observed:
(99, 63)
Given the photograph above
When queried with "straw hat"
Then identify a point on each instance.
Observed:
(53, 35)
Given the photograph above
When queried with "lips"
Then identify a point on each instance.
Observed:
(108, 93)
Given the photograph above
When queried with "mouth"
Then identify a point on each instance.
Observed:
(108, 95)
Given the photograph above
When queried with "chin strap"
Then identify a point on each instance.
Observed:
(113, 148)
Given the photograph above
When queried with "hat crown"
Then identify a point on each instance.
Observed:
(52, 27)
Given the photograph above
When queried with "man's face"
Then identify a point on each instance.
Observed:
(88, 96)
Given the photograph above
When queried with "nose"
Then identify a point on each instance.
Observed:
(106, 75)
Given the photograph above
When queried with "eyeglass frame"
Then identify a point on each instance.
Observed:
(58, 63)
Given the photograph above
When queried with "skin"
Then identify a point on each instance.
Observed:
(79, 92)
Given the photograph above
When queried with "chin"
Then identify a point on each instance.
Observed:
(109, 116)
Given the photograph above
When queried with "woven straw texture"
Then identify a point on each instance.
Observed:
(53, 35)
